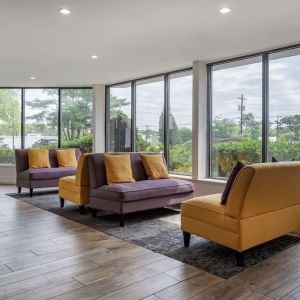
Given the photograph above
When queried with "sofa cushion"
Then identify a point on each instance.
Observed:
(155, 166)
(66, 158)
(47, 173)
(38, 158)
(143, 189)
(209, 210)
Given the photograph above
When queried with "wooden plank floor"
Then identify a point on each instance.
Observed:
(44, 256)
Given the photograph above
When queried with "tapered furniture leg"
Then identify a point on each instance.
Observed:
(81, 209)
(31, 192)
(62, 202)
(19, 189)
(186, 238)
(94, 213)
(240, 259)
(122, 219)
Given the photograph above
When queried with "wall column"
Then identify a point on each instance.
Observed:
(199, 145)
(99, 118)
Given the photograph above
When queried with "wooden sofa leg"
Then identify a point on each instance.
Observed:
(31, 192)
(186, 238)
(94, 213)
(62, 202)
(81, 209)
(19, 189)
(122, 220)
(240, 259)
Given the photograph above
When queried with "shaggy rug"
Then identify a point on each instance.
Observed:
(159, 230)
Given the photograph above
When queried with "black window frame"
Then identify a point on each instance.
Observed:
(166, 79)
(59, 89)
(265, 98)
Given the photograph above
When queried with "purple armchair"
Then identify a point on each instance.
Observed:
(136, 196)
(39, 178)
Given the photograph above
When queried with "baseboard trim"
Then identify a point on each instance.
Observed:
(8, 182)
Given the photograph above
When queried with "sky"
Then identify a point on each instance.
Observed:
(284, 89)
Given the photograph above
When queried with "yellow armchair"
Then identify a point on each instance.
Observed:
(263, 204)
(76, 188)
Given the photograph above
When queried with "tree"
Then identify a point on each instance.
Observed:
(10, 113)
(173, 133)
(116, 105)
(292, 124)
(252, 128)
(185, 134)
(224, 128)
(76, 112)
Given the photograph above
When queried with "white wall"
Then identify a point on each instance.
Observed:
(7, 174)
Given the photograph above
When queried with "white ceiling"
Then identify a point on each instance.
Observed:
(133, 38)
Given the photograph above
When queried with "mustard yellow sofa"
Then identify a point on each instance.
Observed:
(76, 188)
(263, 203)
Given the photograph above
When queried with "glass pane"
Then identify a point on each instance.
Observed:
(284, 105)
(120, 118)
(180, 123)
(10, 124)
(41, 115)
(150, 115)
(76, 119)
(236, 115)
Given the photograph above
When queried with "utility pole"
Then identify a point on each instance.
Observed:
(241, 108)
(277, 127)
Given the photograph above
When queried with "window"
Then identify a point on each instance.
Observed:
(10, 124)
(284, 108)
(236, 118)
(76, 118)
(41, 118)
(120, 118)
(150, 115)
(153, 115)
(180, 123)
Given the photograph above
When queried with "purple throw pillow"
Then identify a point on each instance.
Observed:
(238, 167)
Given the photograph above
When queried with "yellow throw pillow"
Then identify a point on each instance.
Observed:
(38, 158)
(118, 168)
(155, 166)
(66, 158)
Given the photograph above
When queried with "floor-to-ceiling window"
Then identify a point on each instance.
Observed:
(254, 109)
(150, 115)
(180, 122)
(41, 118)
(284, 105)
(34, 117)
(10, 124)
(119, 124)
(154, 115)
(236, 114)
(76, 118)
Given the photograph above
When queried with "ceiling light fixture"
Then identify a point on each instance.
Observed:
(94, 56)
(64, 11)
(32, 78)
(225, 10)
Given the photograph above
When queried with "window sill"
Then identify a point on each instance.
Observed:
(7, 166)
(208, 180)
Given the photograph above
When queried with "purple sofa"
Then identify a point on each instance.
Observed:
(40, 178)
(141, 195)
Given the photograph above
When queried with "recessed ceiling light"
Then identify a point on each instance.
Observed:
(64, 11)
(32, 78)
(225, 10)
(94, 56)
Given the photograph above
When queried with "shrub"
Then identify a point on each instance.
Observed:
(85, 143)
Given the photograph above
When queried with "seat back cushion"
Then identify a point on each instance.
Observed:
(155, 166)
(265, 188)
(82, 173)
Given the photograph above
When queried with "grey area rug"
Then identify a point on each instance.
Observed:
(159, 231)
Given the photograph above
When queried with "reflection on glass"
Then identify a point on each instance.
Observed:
(180, 123)
(284, 109)
(150, 115)
(10, 124)
(76, 119)
(41, 118)
(236, 115)
(120, 118)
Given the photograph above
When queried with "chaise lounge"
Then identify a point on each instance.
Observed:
(263, 204)
(40, 178)
(143, 194)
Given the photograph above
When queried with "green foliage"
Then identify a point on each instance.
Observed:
(7, 156)
(84, 143)
(180, 158)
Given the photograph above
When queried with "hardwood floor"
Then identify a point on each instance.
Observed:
(44, 256)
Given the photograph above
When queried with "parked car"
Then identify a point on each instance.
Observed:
(45, 142)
